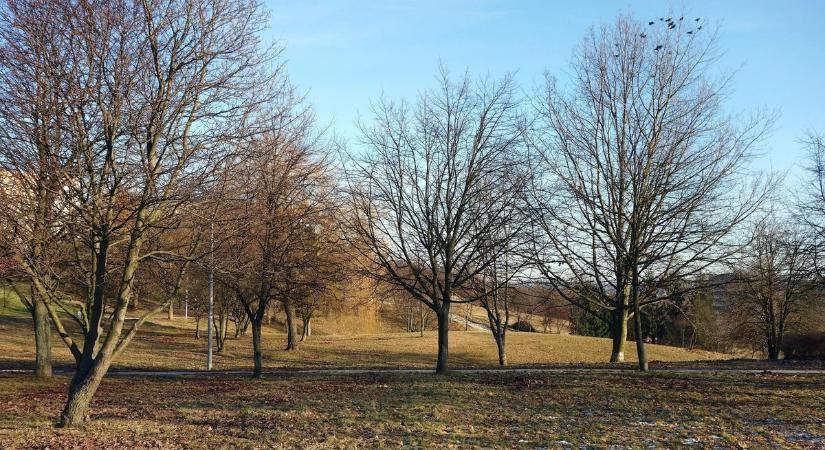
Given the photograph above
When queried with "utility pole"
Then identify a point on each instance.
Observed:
(211, 296)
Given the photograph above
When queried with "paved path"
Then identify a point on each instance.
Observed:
(469, 323)
(527, 370)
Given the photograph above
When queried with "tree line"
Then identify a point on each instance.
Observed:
(147, 146)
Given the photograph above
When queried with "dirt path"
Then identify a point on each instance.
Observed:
(527, 370)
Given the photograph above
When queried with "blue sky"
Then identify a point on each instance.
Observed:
(345, 52)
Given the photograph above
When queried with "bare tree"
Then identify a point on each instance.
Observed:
(641, 175)
(495, 297)
(417, 191)
(774, 285)
(316, 262)
(812, 205)
(31, 120)
(324, 275)
(151, 96)
(493, 287)
(282, 196)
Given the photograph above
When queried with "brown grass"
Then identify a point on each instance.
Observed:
(492, 410)
(164, 344)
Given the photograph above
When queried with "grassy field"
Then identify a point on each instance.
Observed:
(561, 410)
(165, 344)
(583, 409)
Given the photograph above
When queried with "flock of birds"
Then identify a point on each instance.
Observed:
(671, 25)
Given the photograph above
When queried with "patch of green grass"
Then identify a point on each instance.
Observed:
(10, 304)
(560, 410)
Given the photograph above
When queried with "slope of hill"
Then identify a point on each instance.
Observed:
(170, 344)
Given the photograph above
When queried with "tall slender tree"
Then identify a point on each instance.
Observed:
(32, 115)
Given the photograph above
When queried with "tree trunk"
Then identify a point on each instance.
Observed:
(256, 349)
(502, 355)
(171, 315)
(224, 328)
(421, 319)
(410, 320)
(443, 334)
(291, 326)
(84, 384)
(640, 342)
(307, 331)
(773, 347)
(220, 326)
(42, 339)
(198, 327)
(618, 331)
(637, 320)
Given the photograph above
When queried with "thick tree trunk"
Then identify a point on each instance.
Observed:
(618, 332)
(198, 327)
(443, 334)
(42, 339)
(257, 352)
(171, 315)
(291, 326)
(81, 391)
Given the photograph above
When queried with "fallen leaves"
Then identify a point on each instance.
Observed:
(552, 410)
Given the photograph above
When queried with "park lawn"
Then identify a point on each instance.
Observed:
(164, 344)
(549, 410)
(170, 344)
